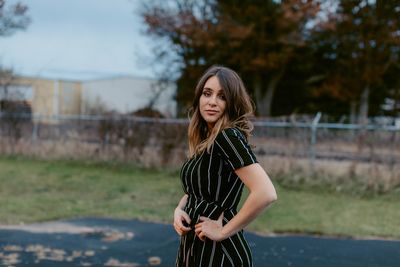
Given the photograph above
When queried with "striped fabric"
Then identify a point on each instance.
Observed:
(213, 187)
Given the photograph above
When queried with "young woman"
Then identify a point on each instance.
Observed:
(221, 162)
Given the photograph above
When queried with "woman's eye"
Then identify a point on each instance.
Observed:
(222, 97)
(207, 94)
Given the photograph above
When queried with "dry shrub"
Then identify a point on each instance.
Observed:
(151, 144)
(342, 162)
(171, 140)
(360, 178)
(143, 141)
(131, 135)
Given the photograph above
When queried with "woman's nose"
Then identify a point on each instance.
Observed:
(212, 100)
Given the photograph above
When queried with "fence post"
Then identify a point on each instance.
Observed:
(314, 125)
(35, 131)
(35, 122)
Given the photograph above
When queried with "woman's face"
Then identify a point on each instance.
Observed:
(212, 102)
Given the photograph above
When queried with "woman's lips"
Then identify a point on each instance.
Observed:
(211, 112)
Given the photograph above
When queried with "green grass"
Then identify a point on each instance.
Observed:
(38, 191)
(328, 213)
(33, 190)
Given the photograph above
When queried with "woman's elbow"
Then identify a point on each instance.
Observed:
(273, 197)
(270, 197)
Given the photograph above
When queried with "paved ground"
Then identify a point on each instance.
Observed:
(126, 243)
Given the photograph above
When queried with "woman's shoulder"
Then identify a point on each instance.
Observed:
(230, 135)
(231, 132)
(232, 145)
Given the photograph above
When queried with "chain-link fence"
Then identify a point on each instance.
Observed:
(302, 149)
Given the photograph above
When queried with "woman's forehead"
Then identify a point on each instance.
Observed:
(213, 84)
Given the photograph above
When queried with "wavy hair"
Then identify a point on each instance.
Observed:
(239, 108)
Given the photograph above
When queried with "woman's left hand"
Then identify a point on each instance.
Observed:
(210, 228)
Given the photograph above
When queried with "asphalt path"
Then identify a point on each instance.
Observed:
(127, 243)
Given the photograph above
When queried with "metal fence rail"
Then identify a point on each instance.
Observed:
(362, 158)
(312, 140)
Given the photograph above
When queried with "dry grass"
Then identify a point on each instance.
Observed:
(333, 174)
(338, 165)
(151, 156)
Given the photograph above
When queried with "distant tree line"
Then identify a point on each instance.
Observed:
(340, 57)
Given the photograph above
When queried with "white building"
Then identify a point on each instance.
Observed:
(126, 94)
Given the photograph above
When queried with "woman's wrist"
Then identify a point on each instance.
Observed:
(182, 202)
(179, 208)
(224, 233)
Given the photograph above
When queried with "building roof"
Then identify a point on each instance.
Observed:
(79, 76)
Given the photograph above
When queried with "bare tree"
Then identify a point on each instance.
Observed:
(13, 18)
(6, 79)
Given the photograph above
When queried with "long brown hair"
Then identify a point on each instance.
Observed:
(239, 108)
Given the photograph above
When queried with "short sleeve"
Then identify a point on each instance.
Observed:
(234, 149)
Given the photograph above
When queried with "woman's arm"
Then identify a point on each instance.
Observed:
(181, 216)
(182, 202)
(262, 193)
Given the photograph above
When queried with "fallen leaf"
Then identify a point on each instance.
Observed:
(116, 263)
(154, 260)
(12, 248)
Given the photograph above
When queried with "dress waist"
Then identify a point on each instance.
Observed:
(200, 207)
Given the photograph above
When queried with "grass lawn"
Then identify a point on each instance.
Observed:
(32, 191)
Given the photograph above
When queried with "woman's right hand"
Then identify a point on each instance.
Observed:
(180, 216)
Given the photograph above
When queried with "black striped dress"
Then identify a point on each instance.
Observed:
(213, 187)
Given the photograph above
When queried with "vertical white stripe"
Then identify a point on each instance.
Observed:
(227, 254)
(237, 252)
(222, 149)
(238, 191)
(202, 252)
(191, 248)
(245, 146)
(191, 173)
(184, 177)
(227, 196)
(187, 259)
(212, 255)
(229, 177)
(205, 208)
(213, 210)
(219, 180)
(187, 175)
(178, 257)
(209, 170)
(199, 177)
(244, 249)
(184, 248)
(233, 148)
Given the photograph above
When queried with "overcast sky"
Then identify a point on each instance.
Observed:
(79, 39)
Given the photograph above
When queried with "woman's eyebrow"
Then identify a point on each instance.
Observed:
(210, 89)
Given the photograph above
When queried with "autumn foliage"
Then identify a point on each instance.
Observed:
(294, 55)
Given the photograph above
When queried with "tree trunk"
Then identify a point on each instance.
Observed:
(258, 93)
(363, 112)
(353, 112)
(264, 98)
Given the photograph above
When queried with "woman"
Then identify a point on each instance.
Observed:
(221, 162)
